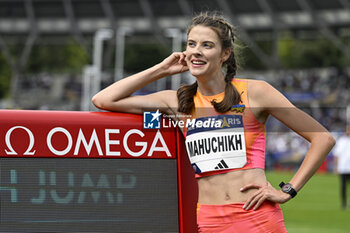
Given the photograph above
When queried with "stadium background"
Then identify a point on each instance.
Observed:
(54, 54)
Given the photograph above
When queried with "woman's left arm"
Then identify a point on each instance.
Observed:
(272, 102)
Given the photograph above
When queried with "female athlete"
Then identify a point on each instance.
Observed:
(228, 157)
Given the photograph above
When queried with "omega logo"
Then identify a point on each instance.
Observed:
(8, 142)
(133, 148)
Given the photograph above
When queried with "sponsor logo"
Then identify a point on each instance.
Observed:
(196, 168)
(221, 165)
(124, 140)
(207, 124)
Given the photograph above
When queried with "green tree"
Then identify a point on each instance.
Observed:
(302, 53)
(141, 56)
(57, 58)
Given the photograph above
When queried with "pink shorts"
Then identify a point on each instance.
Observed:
(232, 218)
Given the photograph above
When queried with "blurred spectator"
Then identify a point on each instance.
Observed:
(342, 163)
(322, 93)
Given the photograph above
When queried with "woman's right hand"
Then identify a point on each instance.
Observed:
(175, 63)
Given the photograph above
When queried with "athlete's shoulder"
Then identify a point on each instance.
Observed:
(250, 82)
(262, 93)
(254, 86)
(258, 87)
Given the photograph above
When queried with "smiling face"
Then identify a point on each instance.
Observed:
(204, 54)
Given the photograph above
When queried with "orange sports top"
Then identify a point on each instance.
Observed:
(221, 142)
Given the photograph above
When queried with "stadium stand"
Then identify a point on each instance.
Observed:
(28, 22)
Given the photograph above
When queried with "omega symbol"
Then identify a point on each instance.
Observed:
(8, 141)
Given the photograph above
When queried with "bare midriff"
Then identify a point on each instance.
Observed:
(225, 188)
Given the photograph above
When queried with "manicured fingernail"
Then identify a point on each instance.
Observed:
(240, 189)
